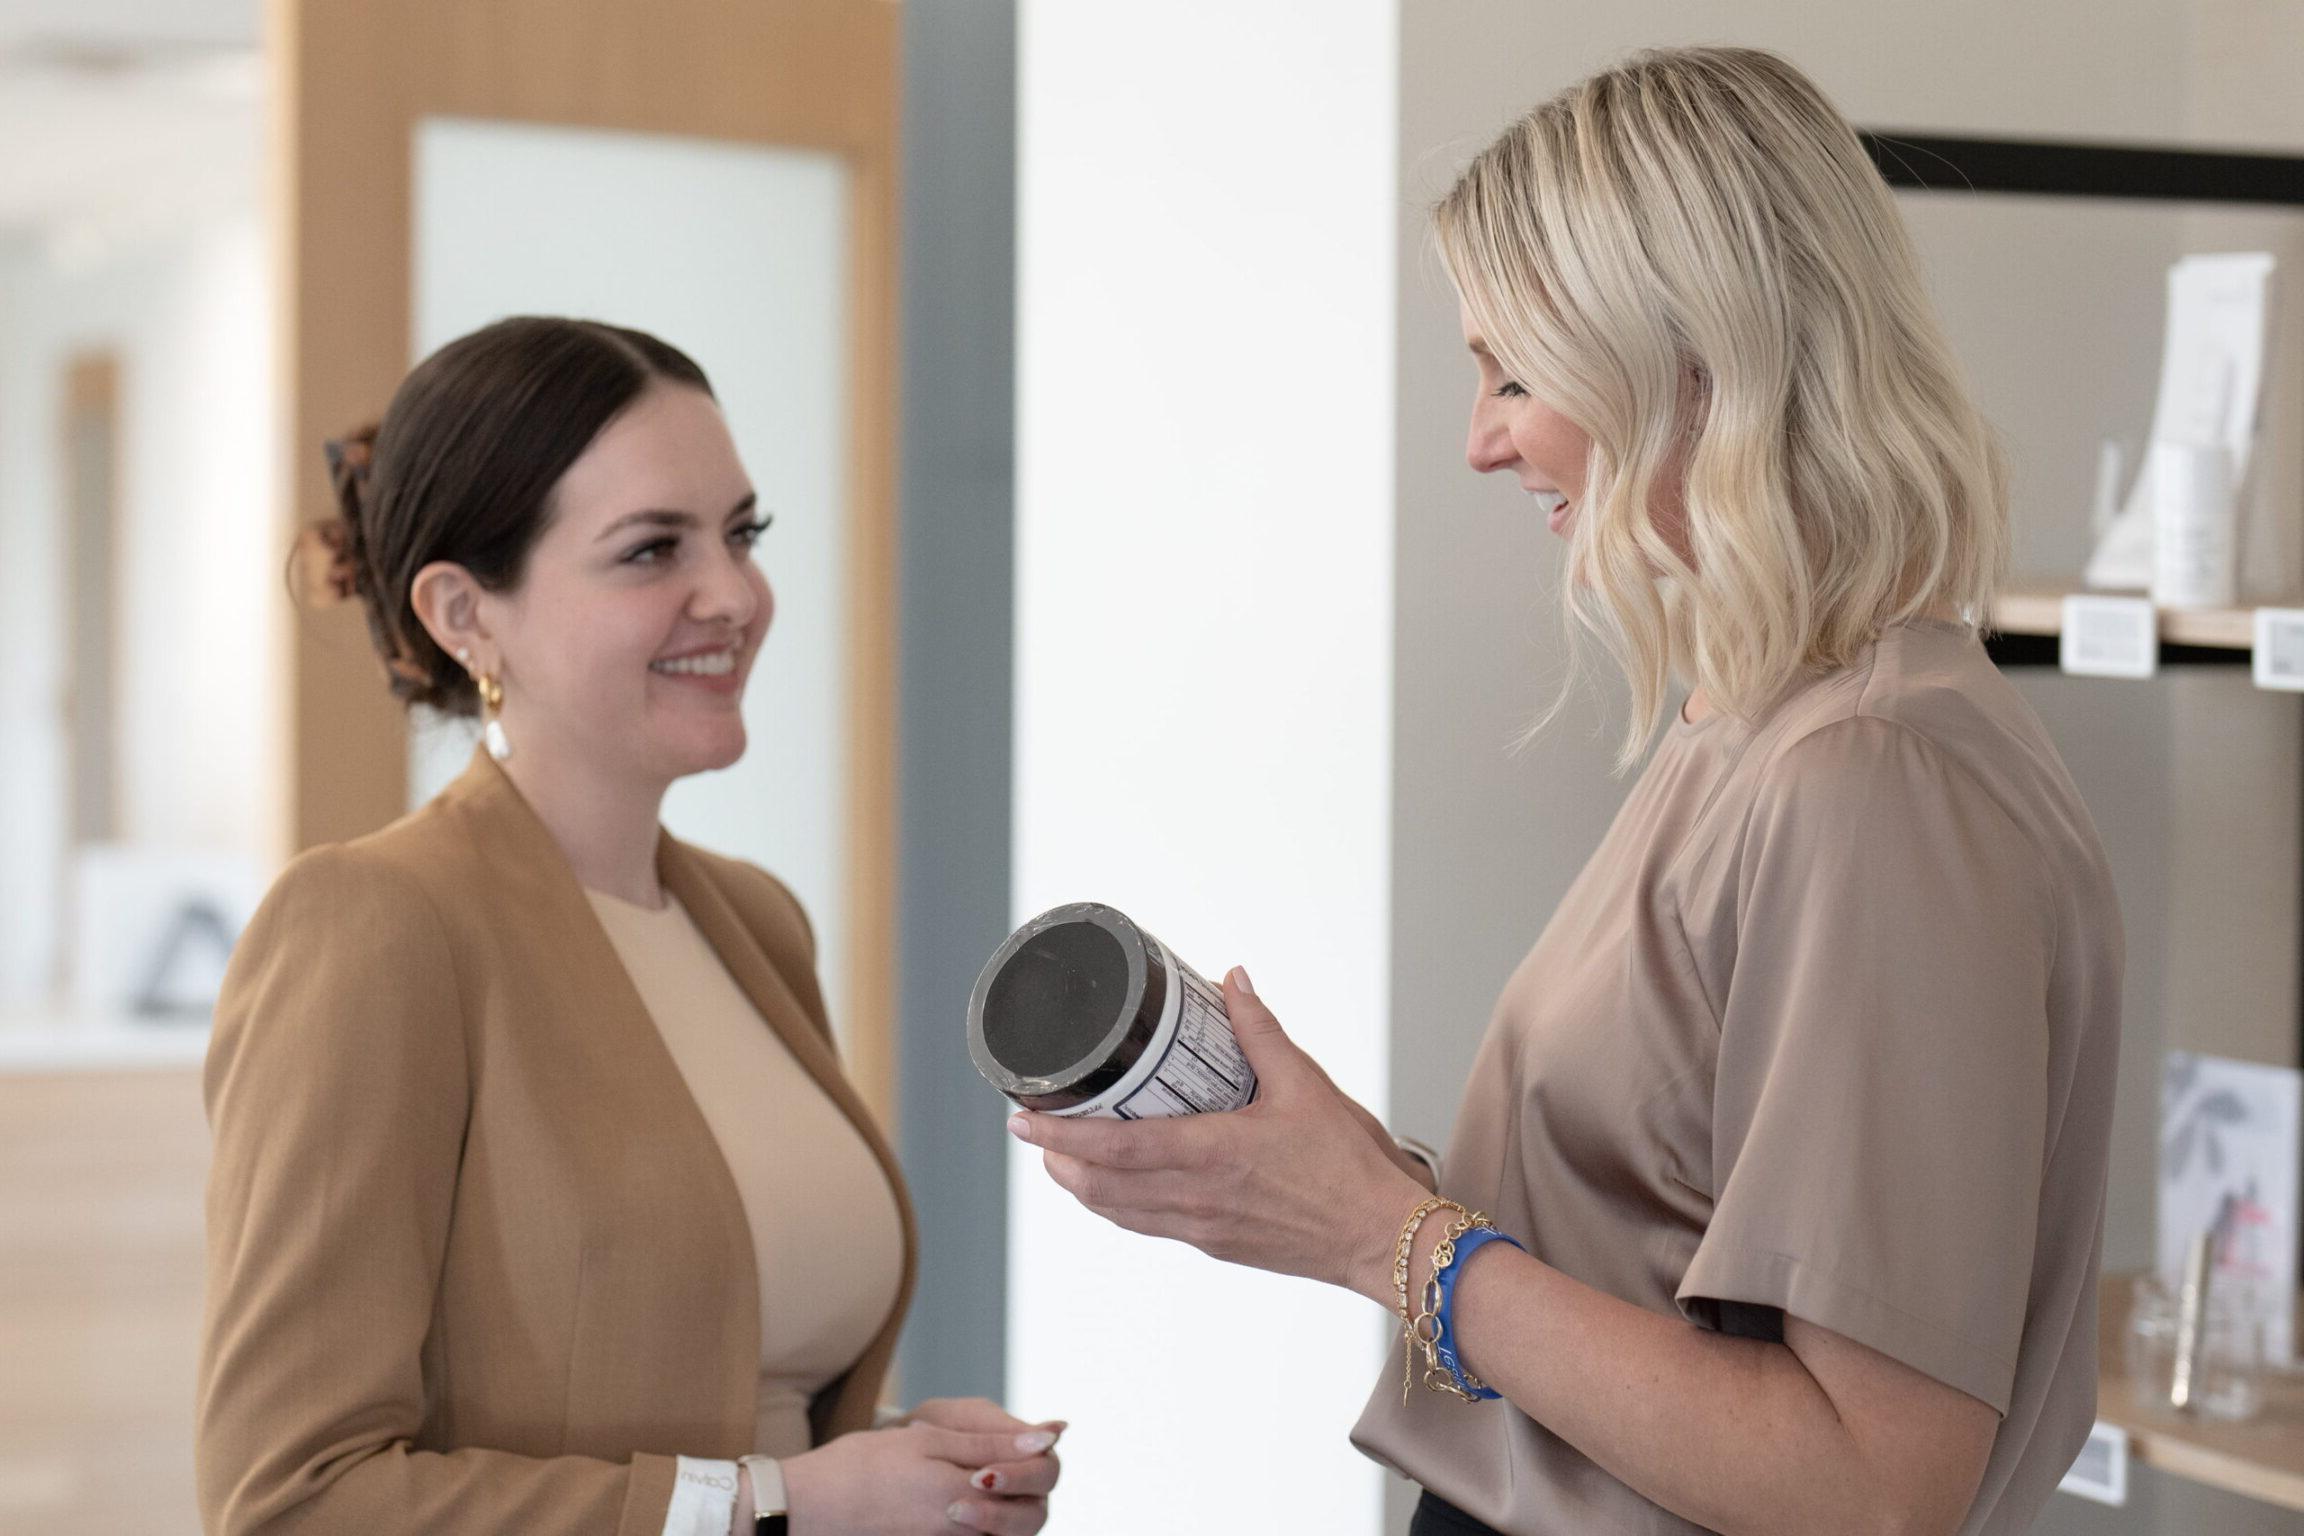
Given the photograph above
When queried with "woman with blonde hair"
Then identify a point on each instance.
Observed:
(1774, 1202)
(540, 1202)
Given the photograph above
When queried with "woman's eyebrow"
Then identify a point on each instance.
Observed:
(670, 517)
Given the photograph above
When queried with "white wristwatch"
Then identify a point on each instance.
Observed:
(771, 1510)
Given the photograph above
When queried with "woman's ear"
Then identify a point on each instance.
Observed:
(449, 604)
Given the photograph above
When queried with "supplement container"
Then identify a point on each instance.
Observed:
(1081, 1012)
(2195, 532)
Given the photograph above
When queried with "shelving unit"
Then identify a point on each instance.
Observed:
(2264, 1458)
(2260, 1459)
(2036, 611)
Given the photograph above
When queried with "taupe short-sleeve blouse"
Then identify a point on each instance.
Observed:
(1827, 1028)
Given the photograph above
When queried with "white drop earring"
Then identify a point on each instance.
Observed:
(491, 708)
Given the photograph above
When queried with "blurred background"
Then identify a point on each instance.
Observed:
(1110, 401)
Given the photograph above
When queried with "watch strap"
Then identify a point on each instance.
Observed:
(771, 1509)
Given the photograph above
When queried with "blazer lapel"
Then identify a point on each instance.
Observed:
(549, 922)
(849, 1402)
(685, 876)
(550, 919)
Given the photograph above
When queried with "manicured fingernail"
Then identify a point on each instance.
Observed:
(1239, 978)
(1019, 1127)
(1034, 1443)
(989, 1480)
(1057, 1426)
(958, 1515)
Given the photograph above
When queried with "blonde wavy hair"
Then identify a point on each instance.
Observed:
(1692, 258)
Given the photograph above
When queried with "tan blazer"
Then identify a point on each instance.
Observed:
(475, 1262)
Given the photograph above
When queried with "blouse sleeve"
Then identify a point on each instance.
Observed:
(337, 1092)
(1881, 1097)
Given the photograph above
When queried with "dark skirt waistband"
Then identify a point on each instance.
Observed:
(1435, 1516)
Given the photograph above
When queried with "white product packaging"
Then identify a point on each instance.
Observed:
(2195, 526)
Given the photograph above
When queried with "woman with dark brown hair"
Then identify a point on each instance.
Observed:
(539, 1201)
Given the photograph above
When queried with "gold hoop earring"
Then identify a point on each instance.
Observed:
(492, 712)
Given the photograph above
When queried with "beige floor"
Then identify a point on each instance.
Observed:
(100, 1184)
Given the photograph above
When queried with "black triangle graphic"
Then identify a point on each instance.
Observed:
(196, 923)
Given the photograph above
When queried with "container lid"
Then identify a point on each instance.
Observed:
(1065, 1005)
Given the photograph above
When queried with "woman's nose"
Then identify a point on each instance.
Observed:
(730, 591)
(1487, 446)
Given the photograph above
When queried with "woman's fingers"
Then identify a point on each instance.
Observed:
(1185, 1142)
(1266, 1045)
(976, 1413)
(1035, 1477)
(973, 1448)
(1163, 1204)
(999, 1517)
(1104, 1189)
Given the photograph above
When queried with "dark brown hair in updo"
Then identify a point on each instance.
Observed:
(462, 468)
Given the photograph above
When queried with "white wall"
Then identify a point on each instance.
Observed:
(189, 316)
(1203, 643)
(738, 256)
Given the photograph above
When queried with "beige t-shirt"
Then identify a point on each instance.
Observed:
(825, 1228)
(1828, 1025)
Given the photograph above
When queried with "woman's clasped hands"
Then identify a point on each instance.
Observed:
(953, 1464)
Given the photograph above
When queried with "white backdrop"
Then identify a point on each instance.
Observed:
(1203, 642)
(187, 312)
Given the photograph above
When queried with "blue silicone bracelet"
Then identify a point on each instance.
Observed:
(1444, 1325)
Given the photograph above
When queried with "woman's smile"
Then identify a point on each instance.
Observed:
(1556, 507)
(721, 669)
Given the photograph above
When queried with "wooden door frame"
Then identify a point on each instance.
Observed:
(93, 393)
(351, 81)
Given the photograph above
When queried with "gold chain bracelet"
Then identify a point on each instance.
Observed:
(1424, 1328)
(1400, 1262)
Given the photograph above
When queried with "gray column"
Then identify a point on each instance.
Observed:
(956, 502)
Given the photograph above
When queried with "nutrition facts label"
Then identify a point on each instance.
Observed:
(1202, 1071)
